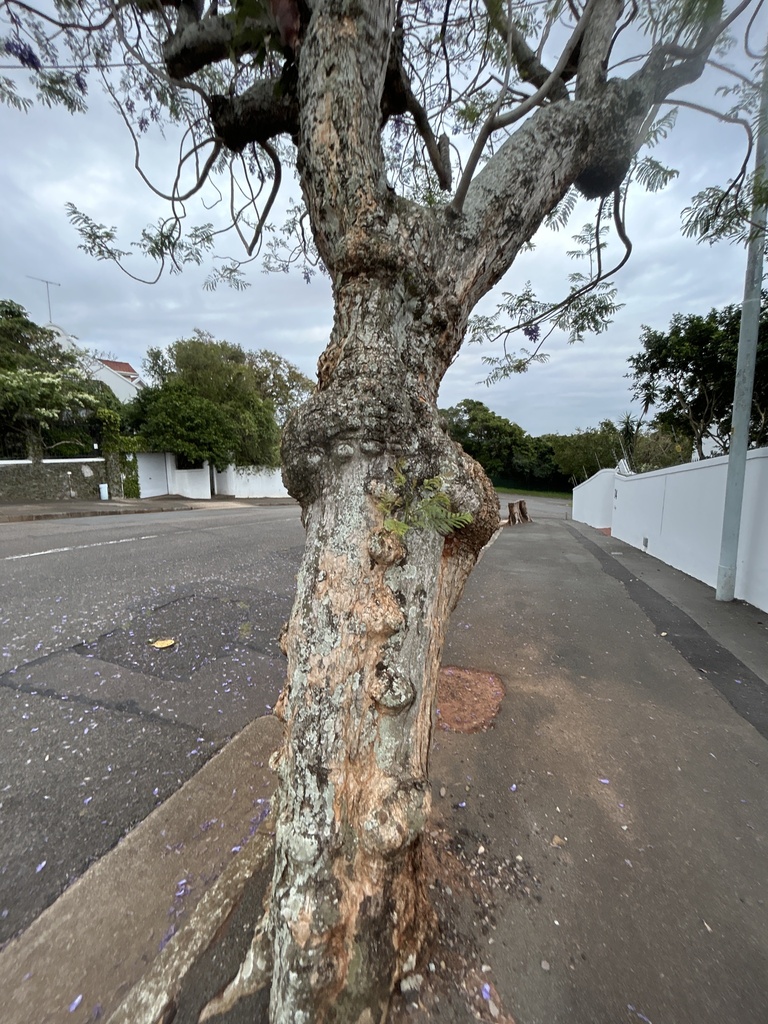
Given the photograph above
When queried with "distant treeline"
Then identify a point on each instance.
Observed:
(557, 462)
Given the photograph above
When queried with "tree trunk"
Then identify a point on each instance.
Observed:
(348, 910)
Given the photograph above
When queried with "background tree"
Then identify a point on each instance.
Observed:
(580, 455)
(25, 345)
(208, 402)
(280, 381)
(487, 437)
(510, 456)
(174, 418)
(585, 452)
(657, 447)
(687, 375)
(47, 405)
(362, 96)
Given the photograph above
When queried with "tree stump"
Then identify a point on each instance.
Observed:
(518, 513)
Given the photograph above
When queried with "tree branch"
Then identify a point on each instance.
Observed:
(494, 122)
(693, 59)
(507, 201)
(528, 64)
(65, 26)
(196, 44)
(595, 47)
(263, 111)
(259, 229)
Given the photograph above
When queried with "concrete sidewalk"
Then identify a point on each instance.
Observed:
(606, 840)
(19, 512)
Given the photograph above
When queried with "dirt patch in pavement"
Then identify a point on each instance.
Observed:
(467, 700)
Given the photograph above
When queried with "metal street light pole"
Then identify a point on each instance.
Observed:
(745, 370)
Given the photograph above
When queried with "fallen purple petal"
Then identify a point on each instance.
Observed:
(40, 866)
(605, 782)
(513, 788)
(75, 1003)
(640, 1016)
(167, 937)
(486, 990)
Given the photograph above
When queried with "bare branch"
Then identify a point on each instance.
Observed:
(742, 122)
(74, 26)
(528, 64)
(174, 196)
(754, 54)
(278, 176)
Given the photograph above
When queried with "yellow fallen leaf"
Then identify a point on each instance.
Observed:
(558, 841)
(161, 644)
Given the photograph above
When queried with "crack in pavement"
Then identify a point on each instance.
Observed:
(127, 706)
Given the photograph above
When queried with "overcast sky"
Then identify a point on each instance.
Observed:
(50, 157)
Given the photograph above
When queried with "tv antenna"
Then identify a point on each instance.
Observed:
(47, 291)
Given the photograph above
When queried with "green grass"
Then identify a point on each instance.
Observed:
(528, 492)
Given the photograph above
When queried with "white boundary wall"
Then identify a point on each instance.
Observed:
(158, 475)
(251, 483)
(153, 478)
(676, 515)
(190, 483)
(593, 500)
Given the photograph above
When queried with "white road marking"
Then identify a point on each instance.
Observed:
(80, 547)
(228, 526)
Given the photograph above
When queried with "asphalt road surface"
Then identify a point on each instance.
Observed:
(98, 726)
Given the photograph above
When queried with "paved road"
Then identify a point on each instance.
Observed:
(98, 726)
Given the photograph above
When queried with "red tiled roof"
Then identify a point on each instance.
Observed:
(118, 367)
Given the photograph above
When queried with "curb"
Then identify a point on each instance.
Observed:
(192, 505)
(154, 904)
(179, 984)
(31, 517)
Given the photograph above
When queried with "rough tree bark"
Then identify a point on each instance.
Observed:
(348, 912)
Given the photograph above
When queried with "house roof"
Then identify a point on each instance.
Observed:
(124, 369)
